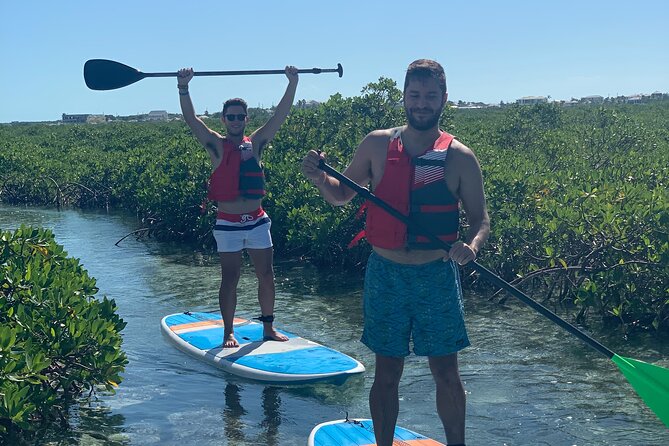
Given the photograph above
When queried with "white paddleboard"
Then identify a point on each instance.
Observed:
(360, 432)
(297, 360)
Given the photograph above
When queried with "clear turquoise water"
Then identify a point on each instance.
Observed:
(527, 381)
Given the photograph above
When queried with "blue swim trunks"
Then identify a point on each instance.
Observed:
(421, 303)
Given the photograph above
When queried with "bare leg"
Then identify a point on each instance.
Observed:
(263, 264)
(231, 264)
(451, 400)
(384, 401)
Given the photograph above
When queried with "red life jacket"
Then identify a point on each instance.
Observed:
(238, 174)
(417, 188)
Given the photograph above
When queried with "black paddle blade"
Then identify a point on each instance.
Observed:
(102, 74)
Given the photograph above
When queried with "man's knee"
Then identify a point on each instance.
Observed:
(445, 370)
(265, 275)
(387, 381)
(451, 380)
(388, 373)
(230, 277)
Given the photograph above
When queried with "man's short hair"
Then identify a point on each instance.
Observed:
(234, 101)
(426, 69)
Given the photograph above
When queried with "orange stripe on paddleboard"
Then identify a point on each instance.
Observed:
(422, 442)
(204, 324)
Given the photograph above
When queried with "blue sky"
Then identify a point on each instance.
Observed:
(492, 50)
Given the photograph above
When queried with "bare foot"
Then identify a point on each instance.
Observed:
(229, 341)
(272, 335)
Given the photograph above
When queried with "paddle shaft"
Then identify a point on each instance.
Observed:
(339, 70)
(485, 272)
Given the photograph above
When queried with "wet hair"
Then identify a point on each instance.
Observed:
(234, 101)
(426, 69)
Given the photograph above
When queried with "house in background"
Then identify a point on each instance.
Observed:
(96, 119)
(569, 103)
(83, 118)
(531, 100)
(76, 118)
(157, 115)
(594, 99)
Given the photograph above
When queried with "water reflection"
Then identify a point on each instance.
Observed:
(233, 413)
(246, 401)
(87, 424)
(234, 416)
(101, 423)
(271, 403)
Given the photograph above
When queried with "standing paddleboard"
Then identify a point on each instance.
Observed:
(297, 360)
(360, 432)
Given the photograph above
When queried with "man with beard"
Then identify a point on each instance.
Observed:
(412, 288)
(237, 184)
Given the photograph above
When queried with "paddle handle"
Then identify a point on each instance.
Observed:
(485, 272)
(339, 70)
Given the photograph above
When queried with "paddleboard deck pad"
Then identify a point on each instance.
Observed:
(297, 360)
(360, 432)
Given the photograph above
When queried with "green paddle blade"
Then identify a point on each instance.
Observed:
(651, 382)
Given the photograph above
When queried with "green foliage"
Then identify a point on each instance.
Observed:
(56, 339)
(577, 196)
(580, 211)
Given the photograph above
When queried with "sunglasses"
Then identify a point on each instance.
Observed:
(239, 117)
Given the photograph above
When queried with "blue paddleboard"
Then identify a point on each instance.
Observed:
(360, 432)
(297, 360)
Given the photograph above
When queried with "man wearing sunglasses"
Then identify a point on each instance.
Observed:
(237, 184)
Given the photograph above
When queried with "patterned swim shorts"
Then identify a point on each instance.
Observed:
(234, 232)
(421, 303)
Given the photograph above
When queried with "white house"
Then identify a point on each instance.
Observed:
(593, 99)
(157, 115)
(530, 100)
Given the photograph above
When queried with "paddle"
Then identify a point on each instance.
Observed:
(651, 382)
(103, 74)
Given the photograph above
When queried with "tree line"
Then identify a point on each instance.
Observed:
(577, 196)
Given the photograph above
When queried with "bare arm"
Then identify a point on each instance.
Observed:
(359, 170)
(265, 133)
(473, 200)
(208, 138)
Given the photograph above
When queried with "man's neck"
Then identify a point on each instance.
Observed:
(235, 139)
(416, 141)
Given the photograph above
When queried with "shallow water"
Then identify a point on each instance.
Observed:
(527, 381)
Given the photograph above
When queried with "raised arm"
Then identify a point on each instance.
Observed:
(208, 138)
(265, 133)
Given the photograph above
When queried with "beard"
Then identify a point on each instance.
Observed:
(423, 123)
